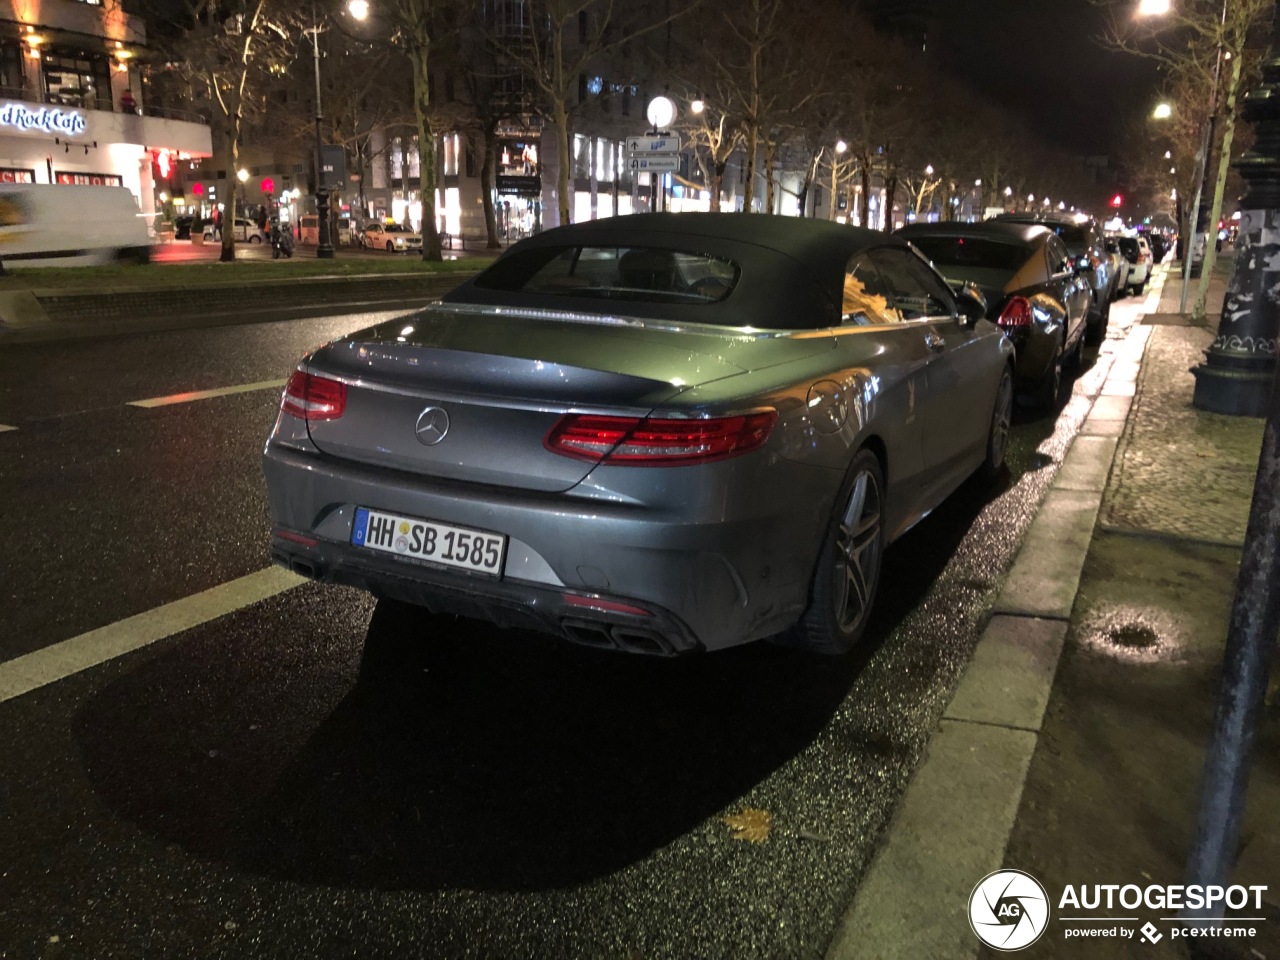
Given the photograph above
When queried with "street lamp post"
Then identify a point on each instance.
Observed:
(1255, 611)
(324, 249)
(840, 148)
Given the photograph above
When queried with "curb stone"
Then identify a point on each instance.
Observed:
(954, 820)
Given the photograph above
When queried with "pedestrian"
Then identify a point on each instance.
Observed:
(127, 103)
(217, 224)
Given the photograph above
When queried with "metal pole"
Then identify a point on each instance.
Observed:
(1255, 613)
(1202, 170)
(324, 250)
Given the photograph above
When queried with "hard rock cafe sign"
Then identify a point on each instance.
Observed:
(42, 119)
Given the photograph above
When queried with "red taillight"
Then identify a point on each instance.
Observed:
(1016, 314)
(644, 442)
(313, 398)
(603, 606)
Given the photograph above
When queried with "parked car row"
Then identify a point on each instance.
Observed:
(667, 433)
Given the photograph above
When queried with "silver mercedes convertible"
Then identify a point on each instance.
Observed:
(656, 433)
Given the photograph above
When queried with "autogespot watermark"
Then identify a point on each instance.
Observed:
(1009, 910)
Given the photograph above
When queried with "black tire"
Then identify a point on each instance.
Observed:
(1050, 385)
(1137, 291)
(998, 430)
(1076, 358)
(391, 247)
(847, 574)
(255, 239)
(1096, 332)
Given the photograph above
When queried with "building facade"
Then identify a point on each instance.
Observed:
(73, 102)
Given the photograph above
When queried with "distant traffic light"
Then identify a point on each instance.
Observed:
(1117, 201)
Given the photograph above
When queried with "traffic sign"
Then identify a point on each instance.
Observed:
(657, 164)
(666, 143)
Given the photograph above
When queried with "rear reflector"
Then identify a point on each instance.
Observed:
(603, 605)
(1016, 314)
(646, 442)
(297, 537)
(313, 398)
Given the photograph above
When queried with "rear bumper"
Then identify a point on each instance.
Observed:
(704, 582)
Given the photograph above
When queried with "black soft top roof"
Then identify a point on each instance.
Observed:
(792, 269)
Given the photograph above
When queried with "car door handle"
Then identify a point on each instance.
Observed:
(935, 342)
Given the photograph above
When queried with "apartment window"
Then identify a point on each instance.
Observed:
(469, 155)
(77, 79)
(582, 27)
(12, 79)
(582, 87)
(626, 101)
(448, 88)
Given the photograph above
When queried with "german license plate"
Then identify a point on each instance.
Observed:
(429, 540)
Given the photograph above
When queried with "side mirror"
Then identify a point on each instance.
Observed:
(972, 304)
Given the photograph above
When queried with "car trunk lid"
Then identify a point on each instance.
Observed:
(472, 397)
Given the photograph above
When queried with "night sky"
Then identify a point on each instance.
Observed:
(1041, 59)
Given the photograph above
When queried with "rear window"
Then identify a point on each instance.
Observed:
(1128, 246)
(647, 274)
(972, 252)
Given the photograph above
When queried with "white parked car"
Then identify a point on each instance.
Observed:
(246, 231)
(390, 237)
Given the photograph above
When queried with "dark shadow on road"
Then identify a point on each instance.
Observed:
(464, 758)
(455, 756)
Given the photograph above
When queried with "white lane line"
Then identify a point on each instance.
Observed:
(191, 395)
(51, 664)
(5, 428)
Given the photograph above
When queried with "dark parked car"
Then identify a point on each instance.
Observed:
(1032, 290)
(1159, 246)
(655, 433)
(1087, 245)
(1120, 265)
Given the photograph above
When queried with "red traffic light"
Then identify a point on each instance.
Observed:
(268, 185)
(1117, 200)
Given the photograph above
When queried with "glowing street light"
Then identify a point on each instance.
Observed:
(661, 112)
(358, 9)
(841, 146)
(928, 170)
(697, 106)
(242, 174)
(1162, 111)
(1153, 8)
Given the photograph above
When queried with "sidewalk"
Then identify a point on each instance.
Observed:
(1101, 694)
(1113, 788)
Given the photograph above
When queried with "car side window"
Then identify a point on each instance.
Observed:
(866, 298)
(917, 291)
(1059, 258)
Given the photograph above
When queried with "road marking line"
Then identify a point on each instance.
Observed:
(5, 428)
(191, 395)
(54, 663)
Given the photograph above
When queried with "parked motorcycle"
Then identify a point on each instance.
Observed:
(281, 242)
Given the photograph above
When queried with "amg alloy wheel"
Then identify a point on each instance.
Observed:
(847, 574)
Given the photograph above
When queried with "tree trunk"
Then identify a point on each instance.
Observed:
(420, 44)
(864, 208)
(229, 187)
(560, 113)
(486, 184)
(770, 189)
(717, 178)
(1219, 186)
(890, 192)
(749, 174)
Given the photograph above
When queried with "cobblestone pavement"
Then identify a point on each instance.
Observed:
(1181, 472)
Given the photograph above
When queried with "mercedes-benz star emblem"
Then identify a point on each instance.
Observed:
(433, 424)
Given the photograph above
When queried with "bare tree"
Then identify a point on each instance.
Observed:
(567, 40)
(226, 53)
(1204, 44)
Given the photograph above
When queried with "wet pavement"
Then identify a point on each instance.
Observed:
(316, 775)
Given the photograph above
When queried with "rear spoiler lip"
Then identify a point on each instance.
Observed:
(621, 320)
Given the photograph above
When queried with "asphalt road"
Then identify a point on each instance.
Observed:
(259, 786)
